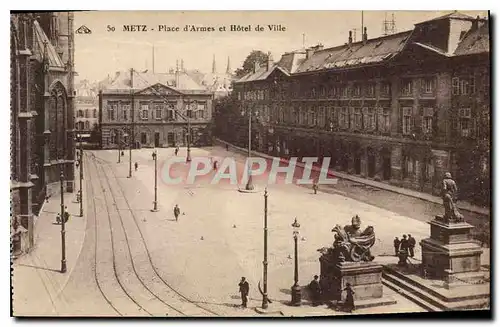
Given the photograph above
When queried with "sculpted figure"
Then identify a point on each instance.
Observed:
(449, 194)
(352, 243)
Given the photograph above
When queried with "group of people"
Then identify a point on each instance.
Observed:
(405, 245)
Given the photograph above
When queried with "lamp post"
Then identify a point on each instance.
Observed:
(155, 203)
(249, 186)
(63, 232)
(119, 148)
(265, 300)
(188, 156)
(80, 159)
(296, 291)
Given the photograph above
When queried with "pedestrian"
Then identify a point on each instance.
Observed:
(123, 154)
(215, 164)
(411, 245)
(177, 212)
(244, 290)
(315, 187)
(315, 289)
(404, 245)
(66, 214)
(136, 165)
(397, 242)
(176, 150)
(349, 299)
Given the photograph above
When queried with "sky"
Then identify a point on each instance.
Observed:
(109, 49)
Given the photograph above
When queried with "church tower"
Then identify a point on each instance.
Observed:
(228, 68)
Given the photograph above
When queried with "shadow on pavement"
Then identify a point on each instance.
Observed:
(42, 268)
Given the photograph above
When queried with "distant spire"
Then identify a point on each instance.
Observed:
(228, 69)
(182, 65)
(214, 69)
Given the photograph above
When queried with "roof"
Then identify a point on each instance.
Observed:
(475, 41)
(453, 15)
(142, 80)
(373, 51)
(261, 74)
(40, 40)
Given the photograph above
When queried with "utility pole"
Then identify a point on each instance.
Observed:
(132, 132)
(296, 291)
(81, 177)
(249, 185)
(155, 203)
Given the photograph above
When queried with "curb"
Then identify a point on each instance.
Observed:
(424, 197)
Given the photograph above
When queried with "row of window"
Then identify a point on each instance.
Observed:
(157, 111)
(86, 113)
(84, 125)
(363, 119)
(413, 168)
(460, 86)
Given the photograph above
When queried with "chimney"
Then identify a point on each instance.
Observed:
(269, 62)
(256, 67)
(350, 38)
(309, 52)
(365, 36)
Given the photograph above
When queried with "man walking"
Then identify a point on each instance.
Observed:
(136, 165)
(315, 289)
(411, 245)
(397, 242)
(177, 212)
(244, 290)
(404, 245)
(176, 150)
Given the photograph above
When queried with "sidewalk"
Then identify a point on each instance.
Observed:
(415, 194)
(36, 278)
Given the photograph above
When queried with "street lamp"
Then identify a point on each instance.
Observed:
(265, 300)
(188, 156)
(132, 136)
(296, 291)
(249, 186)
(155, 203)
(119, 147)
(63, 232)
(80, 160)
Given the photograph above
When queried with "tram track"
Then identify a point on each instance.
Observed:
(148, 276)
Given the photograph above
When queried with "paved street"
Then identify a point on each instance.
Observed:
(134, 262)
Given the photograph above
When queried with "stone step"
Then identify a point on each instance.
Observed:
(458, 298)
(410, 296)
(425, 299)
(429, 299)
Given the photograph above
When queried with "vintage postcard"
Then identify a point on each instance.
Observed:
(250, 163)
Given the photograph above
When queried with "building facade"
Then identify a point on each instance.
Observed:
(86, 108)
(154, 110)
(403, 108)
(42, 124)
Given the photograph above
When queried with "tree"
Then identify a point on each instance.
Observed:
(248, 65)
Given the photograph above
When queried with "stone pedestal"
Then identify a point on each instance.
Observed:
(450, 253)
(365, 279)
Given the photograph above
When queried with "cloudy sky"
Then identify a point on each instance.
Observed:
(106, 51)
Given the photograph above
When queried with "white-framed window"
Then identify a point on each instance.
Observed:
(158, 111)
(464, 87)
(344, 118)
(344, 91)
(386, 121)
(144, 111)
(428, 85)
(407, 120)
(465, 122)
(472, 84)
(455, 85)
(370, 90)
(87, 125)
(111, 111)
(427, 120)
(358, 118)
(125, 110)
(369, 119)
(385, 89)
(356, 90)
(407, 87)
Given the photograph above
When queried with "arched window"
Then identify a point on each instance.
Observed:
(80, 113)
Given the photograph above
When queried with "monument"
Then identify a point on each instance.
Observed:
(450, 276)
(450, 253)
(349, 260)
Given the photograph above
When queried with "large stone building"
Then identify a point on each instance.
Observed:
(86, 108)
(157, 108)
(403, 108)
(42, 113)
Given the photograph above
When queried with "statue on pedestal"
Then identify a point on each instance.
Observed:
(351, 243)
(449, 194)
